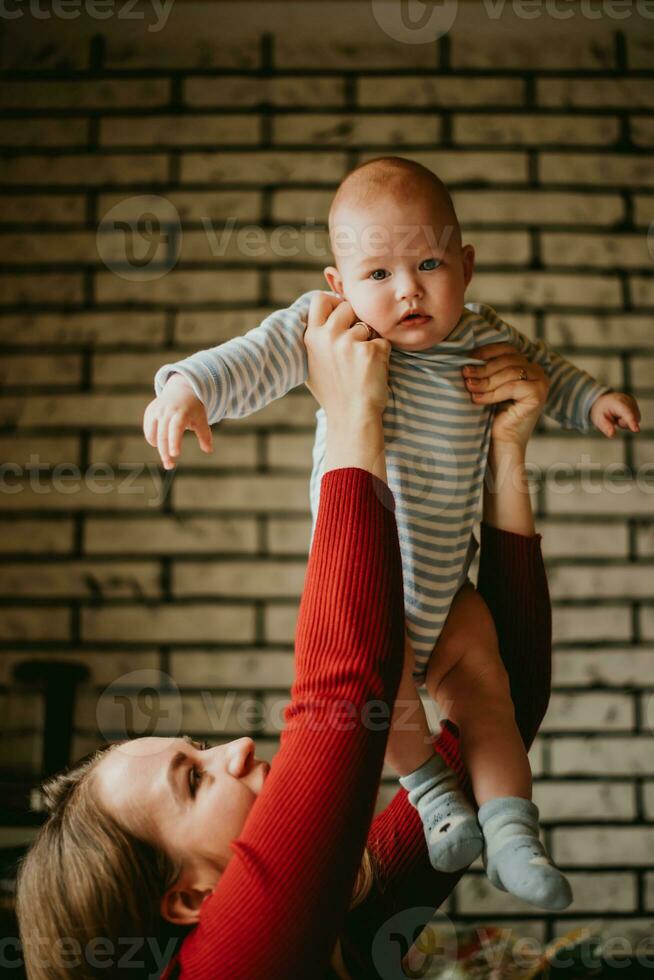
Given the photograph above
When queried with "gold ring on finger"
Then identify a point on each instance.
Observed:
(523, 375)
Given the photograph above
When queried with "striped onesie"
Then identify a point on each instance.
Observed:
(437, 439)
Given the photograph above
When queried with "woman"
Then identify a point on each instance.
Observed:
(266, 862)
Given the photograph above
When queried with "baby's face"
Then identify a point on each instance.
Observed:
(392, 259)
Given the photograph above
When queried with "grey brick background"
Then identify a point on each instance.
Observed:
(241, 116)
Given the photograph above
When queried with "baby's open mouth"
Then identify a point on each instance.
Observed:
(415, 316)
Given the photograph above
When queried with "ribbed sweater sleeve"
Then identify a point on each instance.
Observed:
(513, 582)
(281, 902)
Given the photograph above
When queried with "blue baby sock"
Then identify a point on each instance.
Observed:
(514, 858)
(454, 838)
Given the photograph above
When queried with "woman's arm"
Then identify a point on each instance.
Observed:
(281, 903)
(513, 582)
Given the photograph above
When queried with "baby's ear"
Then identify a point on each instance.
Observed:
(334, 280)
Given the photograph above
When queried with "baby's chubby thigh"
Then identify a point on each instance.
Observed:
(465, 674)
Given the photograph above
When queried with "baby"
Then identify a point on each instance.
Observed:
(403, 268)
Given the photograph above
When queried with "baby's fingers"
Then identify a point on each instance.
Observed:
(162, 442)
(202, 430)
(150, 427)
(175, 433)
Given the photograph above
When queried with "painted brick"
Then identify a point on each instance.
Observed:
(34, 624)
(87, 94)
(597, 539)
(343, 49)
(26, 536)
(601, 496)
(249, 668)
(471, 49)
(90, 169)
(537, 207)
(243, 90)
(237, 579)
(627, 756)
(74, 411)
(169, 535)
(562, 800)
(191, 206)
(355, 130)
(181, 42)
(597, 891)
(85, 327)
(289, 536)
(648, 799)
(178, 130)
(229, 451)
(647, 622)
(70, 579)
(43, 288)
(600, 846)
(21, 371)
(439, 91)
(265, 493)
(609, 581)
(179, 287)
(262, 167)
(624, 666)
(195, 328)
(621, 332)
(535, 130)
(632, 93)
(589, 712)
(43, 132)
(612, 251)
(280, 623)
(299, 206)
(307, 245)
(642, 291)
(289, 452)
(642, 130)
(35, 451)
(643, 209)
(645, 541)
(104, 665)
(41, 208)
(183, 623)
(545, 288)
(606, 622)
(135, 490)
(622, 170)
(580, 452)
(642, 372)
(463, 166)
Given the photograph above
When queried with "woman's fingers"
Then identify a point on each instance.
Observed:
(320, 308)
(516, 372)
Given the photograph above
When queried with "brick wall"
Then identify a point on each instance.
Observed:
(543, 130)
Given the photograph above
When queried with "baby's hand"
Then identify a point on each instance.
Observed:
(166, 418)
(615, 407)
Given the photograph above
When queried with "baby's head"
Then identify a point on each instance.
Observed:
(397, 245)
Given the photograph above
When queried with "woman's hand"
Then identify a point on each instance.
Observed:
(515, 384)
(348, 372)
(348, 375)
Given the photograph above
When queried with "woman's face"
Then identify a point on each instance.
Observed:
(191, 800)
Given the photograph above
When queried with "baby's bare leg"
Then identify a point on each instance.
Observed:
(409, 740)
(475, 693)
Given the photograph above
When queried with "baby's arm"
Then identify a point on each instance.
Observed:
(231, 380)
(575, 399)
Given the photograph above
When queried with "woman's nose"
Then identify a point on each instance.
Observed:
(240, 752)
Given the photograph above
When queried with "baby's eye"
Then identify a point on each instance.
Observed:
(430, 264)
(373, 275)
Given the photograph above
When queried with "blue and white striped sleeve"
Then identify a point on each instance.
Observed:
(244, 374)
(572, 391)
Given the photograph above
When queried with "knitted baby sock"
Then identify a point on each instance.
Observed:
(454, 838)
(514, 858)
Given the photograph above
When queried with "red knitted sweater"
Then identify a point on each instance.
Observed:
(283, 900)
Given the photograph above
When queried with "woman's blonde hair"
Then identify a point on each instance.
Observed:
(89, 891)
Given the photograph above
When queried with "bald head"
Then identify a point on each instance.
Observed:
(403, 182)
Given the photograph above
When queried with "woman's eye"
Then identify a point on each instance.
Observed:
(430, 264)
(373, 275)
(194, 779)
